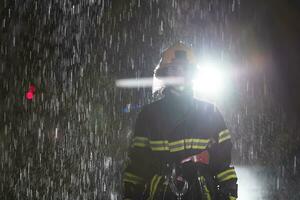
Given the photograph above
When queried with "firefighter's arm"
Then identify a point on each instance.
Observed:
(138, 168)
(221, 160)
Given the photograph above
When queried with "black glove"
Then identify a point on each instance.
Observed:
(227, 191)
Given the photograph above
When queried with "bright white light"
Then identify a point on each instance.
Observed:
(210, 81)
(134, 83)
(147, 82)
(252, 183)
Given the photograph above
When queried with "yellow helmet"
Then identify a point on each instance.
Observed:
(178, 54)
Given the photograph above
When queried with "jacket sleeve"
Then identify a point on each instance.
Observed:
(224, 173)
(139, 169)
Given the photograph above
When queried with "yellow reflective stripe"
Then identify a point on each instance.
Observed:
(131, 178)
(179, 145)
(232, 198)
(159, 145)
(199, 143)
(233, 176)
(160, 148)
(201, 140)
(224, 135)
(177, 149)
(226, 175)
(225, 172)
(140, 138)
(198, 147)
(188, 143)
(131, 181)
(207, 194)
(190, 140)
(176, 143)
(140, 142)
(128, 174)
(159, 142)
(153, 185)
(135, 144)
(206, 191)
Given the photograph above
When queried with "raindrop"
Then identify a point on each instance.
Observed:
(295, 165)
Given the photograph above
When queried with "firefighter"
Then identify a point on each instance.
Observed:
(181, 147)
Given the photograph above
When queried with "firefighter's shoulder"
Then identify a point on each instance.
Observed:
(205, 107)
(151, 108)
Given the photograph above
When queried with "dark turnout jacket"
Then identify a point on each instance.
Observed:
(170, 130)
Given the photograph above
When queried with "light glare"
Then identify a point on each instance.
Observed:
(209, 82)
(147, 82)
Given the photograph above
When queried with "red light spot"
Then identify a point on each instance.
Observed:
(32, 88)
(31, 91)
(29, 95)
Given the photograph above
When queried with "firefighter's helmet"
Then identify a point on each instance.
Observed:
(177, 56)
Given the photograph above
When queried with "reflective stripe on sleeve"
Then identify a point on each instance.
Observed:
(226, 175)
(159, 145)
(140, 142)
(224, 135)
(131, 178)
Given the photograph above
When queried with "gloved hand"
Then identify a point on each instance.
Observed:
(228, 191)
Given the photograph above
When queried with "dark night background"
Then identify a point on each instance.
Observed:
(70, 141)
